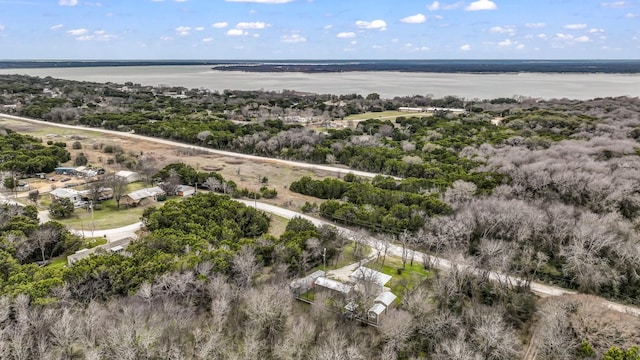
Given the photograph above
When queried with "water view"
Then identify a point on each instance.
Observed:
(387, 84)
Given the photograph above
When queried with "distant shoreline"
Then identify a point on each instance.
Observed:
(345, 66)
(385, 83)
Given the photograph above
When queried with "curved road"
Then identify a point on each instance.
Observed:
(302, 165)
(540, 289)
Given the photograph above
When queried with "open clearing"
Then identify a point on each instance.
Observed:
(245, 173)
(385, 115)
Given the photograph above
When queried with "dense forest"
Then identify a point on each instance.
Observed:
(547, 190)
(27, 155)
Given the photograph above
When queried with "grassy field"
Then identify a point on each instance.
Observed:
(384, 115)
(277, 225)
(403, 279)
(61, 261)
(107, 217)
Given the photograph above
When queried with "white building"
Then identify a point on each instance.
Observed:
(129, 176)
(143, 195)
(66, 193)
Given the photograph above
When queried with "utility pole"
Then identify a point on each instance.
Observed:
(324, 259)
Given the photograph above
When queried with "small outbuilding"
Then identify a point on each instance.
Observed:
(185, 190)
(375, 312)
(64, 170)
(129, 176)
(300, 286)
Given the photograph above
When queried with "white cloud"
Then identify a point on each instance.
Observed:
(465, 47)
(293, 38)
(373, 25)
(537, 25)
(414, 19)
(436, 5)
(183, 30)
(596, 31)
(237, 32)
(631, 15)
(510, 30)
(616, 4)
(199, 28)
(67, 2)
(207, 40)
(510, 43)
(166, 38)
(376, 46)
(262, 1)
(346, 35)
(97, 35)
(180, 0)
(353, 42)
(583, 39)
(252, 25)
(77, 32)
(328, 27)
(481, 5)
(56, 27)
(220, 25)
(564, 37)
(2, 27)
(542, 36)
(575, 26)
(395, 41)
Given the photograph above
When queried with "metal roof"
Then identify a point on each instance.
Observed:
(386, 298)
(377, 309)
(64, 193)
(125, 173)
(145, 193)
(333, 285)
(366, 274)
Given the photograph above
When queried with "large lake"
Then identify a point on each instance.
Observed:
(387, 84)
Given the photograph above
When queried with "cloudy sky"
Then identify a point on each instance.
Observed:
(319, 29)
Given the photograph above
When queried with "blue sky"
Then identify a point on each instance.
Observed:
(319, 29)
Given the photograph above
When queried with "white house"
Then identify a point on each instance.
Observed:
(66, 193)
(129, 176)
(143, 195)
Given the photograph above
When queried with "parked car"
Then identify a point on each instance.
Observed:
(81, 204)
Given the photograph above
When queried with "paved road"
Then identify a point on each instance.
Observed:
(540, 289)
(112, 235)
(333, 169)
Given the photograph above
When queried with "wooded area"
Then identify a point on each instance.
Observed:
(544, 190)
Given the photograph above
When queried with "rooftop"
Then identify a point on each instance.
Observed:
(366, 274)
(64, 193)
(145, 193)
(386, 298)
(377, 309)
(333, 285)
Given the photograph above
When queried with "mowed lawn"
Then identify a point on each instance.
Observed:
(107, 217)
